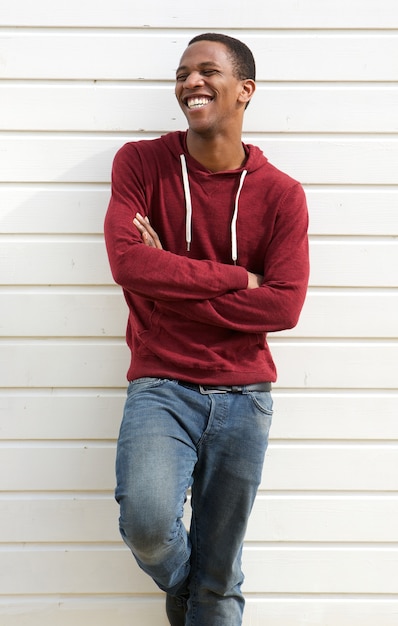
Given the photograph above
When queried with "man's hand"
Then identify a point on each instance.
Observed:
(255, 280)
(148, 235)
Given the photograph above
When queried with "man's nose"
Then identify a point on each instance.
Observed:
(194, 79)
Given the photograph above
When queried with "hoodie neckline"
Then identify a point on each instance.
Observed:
(197, 165)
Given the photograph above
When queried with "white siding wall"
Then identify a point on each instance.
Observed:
(79, 78)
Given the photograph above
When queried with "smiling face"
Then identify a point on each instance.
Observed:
(208, 90)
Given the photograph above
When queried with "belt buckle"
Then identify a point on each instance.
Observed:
(236, 389)
(208, 390)
(232, 389)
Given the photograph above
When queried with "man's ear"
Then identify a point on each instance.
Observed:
(247, 91)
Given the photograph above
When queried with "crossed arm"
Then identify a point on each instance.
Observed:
(151, 239)
(262, 307)
(212, 293)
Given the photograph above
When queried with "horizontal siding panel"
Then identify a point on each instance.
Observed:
(334, 160)
(305, 467)
(274, 519)
(62, 314)
(153, 108)
(335, 415)
(317, 611)
(71, 363)
(324, 519)
(81, 209)
(58, 209)
(93, 364)
(89, 313)
(82, 611)
(323, 109)
(87, 415)
(279, 56)
(314, 468)
(336, 364)
(54, 262)
(55, 519)
(208, 15)
(312, 160)
(42, 414)
(282, 570)
(57, 158)
(361, 263)
(69, 261)
(91, 107)
(333, 570)
(353, 211)
(331, 467)
(321, 611)
(372, 314)
(58, 468)
(71, 571)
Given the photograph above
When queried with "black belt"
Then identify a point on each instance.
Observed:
(226, 388)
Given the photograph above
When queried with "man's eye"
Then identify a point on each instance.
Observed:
(181, 77)
(209, 72)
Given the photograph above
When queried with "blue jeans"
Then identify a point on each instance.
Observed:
(171, 438)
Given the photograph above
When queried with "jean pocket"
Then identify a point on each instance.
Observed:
(262, 401)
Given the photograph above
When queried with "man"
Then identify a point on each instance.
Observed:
(209, 242)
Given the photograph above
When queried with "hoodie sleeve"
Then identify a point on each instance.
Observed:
(277, 304)
(155, 274)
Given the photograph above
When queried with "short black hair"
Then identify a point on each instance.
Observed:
(242, 56)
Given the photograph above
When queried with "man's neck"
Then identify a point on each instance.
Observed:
(216, 153)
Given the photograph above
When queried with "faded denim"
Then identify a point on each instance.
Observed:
(172, 438)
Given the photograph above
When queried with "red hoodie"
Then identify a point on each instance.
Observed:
(190, 315)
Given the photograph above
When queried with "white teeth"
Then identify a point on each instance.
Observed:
(196, 103)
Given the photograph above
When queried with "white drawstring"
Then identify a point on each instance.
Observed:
(188, 202)
(234, 239)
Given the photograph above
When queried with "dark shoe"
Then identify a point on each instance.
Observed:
(176, 609)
